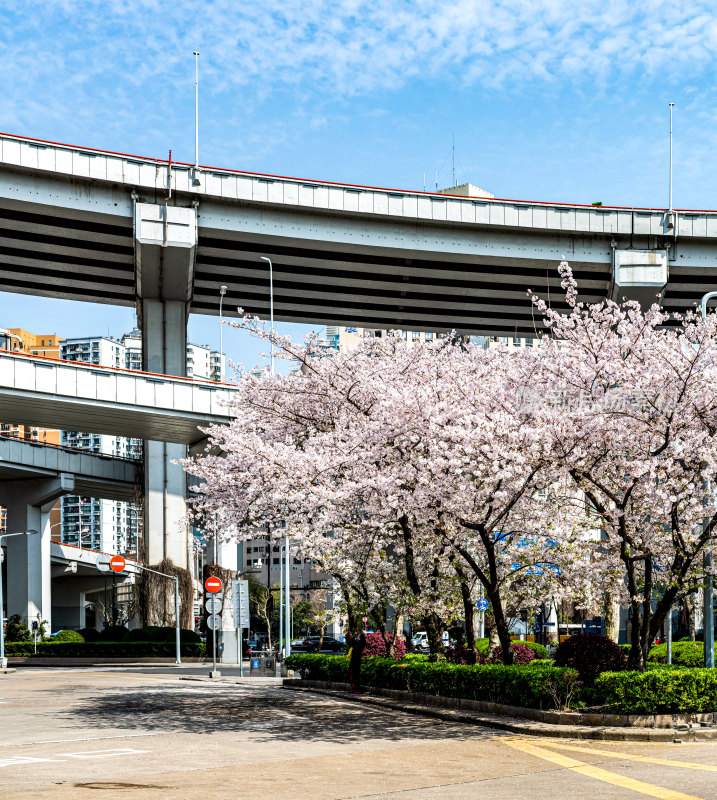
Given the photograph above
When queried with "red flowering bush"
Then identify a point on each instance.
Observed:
(590, 654)
(460, 654)
(522, 654)
(375, 646)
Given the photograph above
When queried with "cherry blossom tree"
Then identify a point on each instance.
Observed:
(406, 472)
(629, 408)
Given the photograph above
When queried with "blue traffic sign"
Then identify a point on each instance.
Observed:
(482, 605)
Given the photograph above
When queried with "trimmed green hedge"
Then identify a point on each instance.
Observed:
(658, 691)
(516, 685)
(68, 636)
(685, 654)
(103, 649)
(155, 633)
(540, 651)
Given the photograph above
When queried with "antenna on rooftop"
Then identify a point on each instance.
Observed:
(453, 156)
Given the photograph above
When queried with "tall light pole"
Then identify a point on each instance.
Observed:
(708, 607)
(672, 105)
(287, 583)
(3, 660)
(195, 181)
(222, 292)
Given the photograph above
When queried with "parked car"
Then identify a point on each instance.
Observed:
(311, 644)
(419, 640)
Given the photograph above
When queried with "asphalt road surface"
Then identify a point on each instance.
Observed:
(143, 733)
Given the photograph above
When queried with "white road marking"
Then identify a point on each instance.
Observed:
(15, 761)
(117, 751)
(82, 739)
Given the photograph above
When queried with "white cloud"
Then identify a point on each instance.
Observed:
(353, 46)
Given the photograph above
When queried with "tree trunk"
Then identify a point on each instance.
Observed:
(687, 614)
(493, 640)
(612, 616)
(434, 630)
(469, 612)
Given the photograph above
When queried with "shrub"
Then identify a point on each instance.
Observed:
(149, 633)
(68, 636)
(522, 654)
(112, 633)
(678, 690)
(415, 657)
(460, 654)
(156, 633)
(538, 649)
(496, 683)
(16, 630)
(89, 634)
(375, 646)
(684, 654)
(590, 654)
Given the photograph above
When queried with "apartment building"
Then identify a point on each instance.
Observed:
(35, 344)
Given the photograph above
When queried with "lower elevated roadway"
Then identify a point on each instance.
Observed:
(95, 474)
(83, 397)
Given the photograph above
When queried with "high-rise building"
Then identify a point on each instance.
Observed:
(34, 344)
(112, 526)
(340, 337)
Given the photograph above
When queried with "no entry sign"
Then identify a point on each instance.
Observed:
(117, 564)
(213, 585)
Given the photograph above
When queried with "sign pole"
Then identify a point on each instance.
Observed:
(240, 632)
(176, 620)
(214, 585)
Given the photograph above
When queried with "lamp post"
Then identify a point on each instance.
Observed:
(3, 660)
(708, 608)
(222, 292)
(287, 596)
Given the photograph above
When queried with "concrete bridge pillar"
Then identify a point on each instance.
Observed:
(28, 572)
(165, 246)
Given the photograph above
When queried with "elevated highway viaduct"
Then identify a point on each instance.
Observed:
(86, 224)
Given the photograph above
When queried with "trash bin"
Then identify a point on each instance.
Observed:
(262, 664)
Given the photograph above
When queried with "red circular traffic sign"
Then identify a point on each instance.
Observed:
(365, 619)
(117, 564)
(213, 585)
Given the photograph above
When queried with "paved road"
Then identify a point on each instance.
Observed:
(143, 733)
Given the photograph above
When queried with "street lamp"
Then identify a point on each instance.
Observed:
(3, 660)
(287, 578)
(222, 292)
(708, 609)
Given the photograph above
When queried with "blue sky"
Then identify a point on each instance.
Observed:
(547, 99)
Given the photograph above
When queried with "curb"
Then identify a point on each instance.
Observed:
(512, 725)
(247, 681)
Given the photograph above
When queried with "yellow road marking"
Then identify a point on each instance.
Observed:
(599, 774)
(667, 762)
